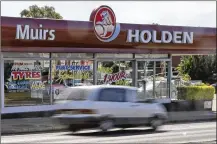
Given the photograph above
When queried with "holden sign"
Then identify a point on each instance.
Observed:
(107, 29)
(146, 36)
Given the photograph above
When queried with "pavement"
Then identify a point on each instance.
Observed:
(214, 103)
(197, 132)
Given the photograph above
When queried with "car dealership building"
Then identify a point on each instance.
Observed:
(40, 57)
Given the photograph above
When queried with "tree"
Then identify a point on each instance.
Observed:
(40, 12)
(199, 67)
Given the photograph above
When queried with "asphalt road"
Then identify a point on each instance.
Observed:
(175, 133)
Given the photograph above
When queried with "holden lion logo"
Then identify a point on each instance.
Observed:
(105, 27)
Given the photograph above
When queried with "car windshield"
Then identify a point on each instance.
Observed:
(74, 93)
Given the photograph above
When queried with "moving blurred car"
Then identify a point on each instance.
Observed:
(105, 107)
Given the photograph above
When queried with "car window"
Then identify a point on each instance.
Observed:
(112, 95)
(74, 94)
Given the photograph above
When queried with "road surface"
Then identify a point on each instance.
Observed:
(174, 133)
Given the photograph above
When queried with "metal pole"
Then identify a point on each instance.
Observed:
(2, 85)
(134, 72)
(144, 88)
(145, 69)
(73, 72)
(50, 77)
(145, 78)
(95, 69)
(169, 76)
(215, 71)
(154, 74)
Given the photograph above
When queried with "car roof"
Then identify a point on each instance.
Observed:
(104, 86)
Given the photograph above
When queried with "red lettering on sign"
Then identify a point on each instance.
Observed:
(36, 75)
(14, 75)
(105, 78)
(22, 75)
(25, 74)
(115, 77)
(28, 75)
(123, 75)
(109, 78)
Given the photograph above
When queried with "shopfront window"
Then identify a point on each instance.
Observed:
(114, 73)
(152, 79)
(70, 73)
(26, 82)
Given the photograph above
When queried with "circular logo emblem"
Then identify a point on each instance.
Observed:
(105, 26)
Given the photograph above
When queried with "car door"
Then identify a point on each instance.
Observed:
(133, 106)
(112, 102)
(140, 111)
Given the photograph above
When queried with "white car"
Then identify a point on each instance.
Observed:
(106, 107)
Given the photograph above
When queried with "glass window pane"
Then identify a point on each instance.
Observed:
(152, 81)
(25, 55)
(26, 82)
(145, 69)
(112, 95)
(114, 73)
(70, 73)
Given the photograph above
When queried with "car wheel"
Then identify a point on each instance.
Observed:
(73, 129)
(105, 125)
(155, 123)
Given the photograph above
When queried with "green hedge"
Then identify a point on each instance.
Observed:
(196, 92)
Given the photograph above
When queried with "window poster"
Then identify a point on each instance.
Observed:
(107, 76)
(26, 76)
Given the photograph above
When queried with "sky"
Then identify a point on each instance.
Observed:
(183, 13)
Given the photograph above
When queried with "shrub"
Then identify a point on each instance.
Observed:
(201, 84)
(196, 92)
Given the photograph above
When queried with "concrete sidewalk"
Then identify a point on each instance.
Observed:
(214, 103)
(28, 125)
